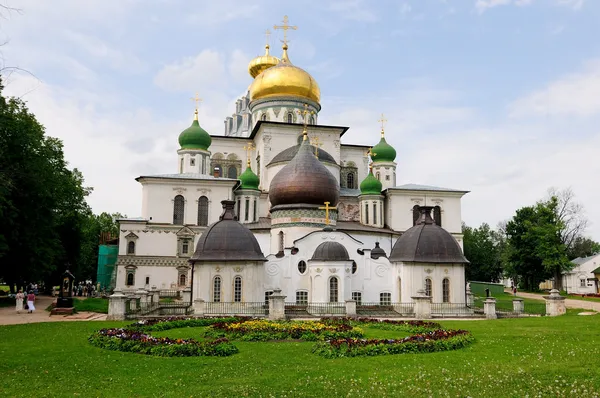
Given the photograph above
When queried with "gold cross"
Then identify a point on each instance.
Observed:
(316, 142)
(285, 28)
(197, 100)
(267, 35)
(383, 120)
(249, 148)
(370, 152)
(304, 113)
(327, 208)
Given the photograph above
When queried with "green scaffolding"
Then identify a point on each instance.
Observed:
(107, 258)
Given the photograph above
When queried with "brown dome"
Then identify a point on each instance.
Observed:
(227, 240)
(330, 251)
(427, 243)
(304, 180)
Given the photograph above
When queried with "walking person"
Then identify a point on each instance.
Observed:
(30, 301)
(19, 297)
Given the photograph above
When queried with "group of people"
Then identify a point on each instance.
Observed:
(29, 306)
(84, 289)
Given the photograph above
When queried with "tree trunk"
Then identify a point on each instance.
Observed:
(558, 279)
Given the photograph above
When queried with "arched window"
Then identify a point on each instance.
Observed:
(354, 267)
(218, 171)
(333, 290)
(290, 118)
(437, 215)
(130, 279)
(232, 172)
(217, 289)
(446, 290)
(428, 291)
(350, 180)
(281, 241)
(178, 207)
(182, 280)
(263, 117)
(302, 267)
(131, 247)
(237, 289)
(203, 211)
(416, 214)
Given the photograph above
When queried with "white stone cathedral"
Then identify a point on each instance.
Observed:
(280, 202)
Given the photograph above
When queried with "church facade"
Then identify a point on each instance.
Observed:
(282, 202)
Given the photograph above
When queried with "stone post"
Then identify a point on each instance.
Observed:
(276, 305)
(555, 304)
(116, 306)
(143, 296)
(187, 294)
(422, 305)
(518, 306)
(199, 307)
(132, 302)
(470, 299)
(489, 308)
(350, 307)
(155, 295)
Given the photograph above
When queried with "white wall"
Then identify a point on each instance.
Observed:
(356, 154)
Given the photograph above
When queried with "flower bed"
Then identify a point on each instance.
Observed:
(385, 324)
(134, 338)
(435, 340)
(264, 330)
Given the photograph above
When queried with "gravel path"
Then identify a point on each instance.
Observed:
(8, 315)
(570, 303)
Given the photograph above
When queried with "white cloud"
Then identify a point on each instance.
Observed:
(206, 69)
(482, 5)
(573, 4)
(576, 94)
(238, 65)
(355, 10)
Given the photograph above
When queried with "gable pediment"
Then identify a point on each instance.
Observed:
(131, 235)
(185, 232)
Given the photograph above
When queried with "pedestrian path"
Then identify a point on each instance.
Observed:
(8, 315)
(569, 303)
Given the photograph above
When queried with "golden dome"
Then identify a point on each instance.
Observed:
(285, 79)
(262, 63)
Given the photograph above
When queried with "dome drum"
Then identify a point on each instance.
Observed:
(302, 214)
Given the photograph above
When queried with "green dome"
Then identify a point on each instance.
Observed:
(249, 179)
(383, 152)
(370, 185)
(194, 137)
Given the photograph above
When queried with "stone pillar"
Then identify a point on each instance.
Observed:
(187, 294)
(143, 296)
(422, 305)
(350, 307)
(277, 305)
(489, 308)
(199, 307)
(518, 306)
(132, 302)
(470, 300)
(555, 304)
(155, 295)
(116, 306)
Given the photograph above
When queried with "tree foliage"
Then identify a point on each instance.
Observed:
(483, 248)
(583, 247)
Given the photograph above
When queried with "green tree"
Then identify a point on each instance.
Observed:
(583, 247)
(483, 248)
(534, 249)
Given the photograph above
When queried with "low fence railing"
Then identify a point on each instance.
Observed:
(245, 309)
(385, 310)
(445, 310)
(315, 309)
(134, 308)
(174, 293)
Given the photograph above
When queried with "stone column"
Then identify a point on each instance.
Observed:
(489, 308)
(143, 296)
(155, 295)
(518, 306)
(187, 294)
(277, 305)
(199, 307)
(116, 306)
(350, 307)
(132, 302)
(422, 305)
(555, 304)
(470, 300)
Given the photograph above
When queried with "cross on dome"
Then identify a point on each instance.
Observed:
(249, 148)
(285, 27)
(383, 121)
(197, 101)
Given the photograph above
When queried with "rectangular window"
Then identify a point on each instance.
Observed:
(181, 166)
(237, 289)
(147, 280)
(255, 219)
(582, 283)
(192, 162)
(333, 290)
(302, 297)
(387, 177)
(374, 213)
(239, 203)
(217, 289)
(366, 213)
(268, 294)
(247, 212)
(357, 296)
(203, 160)
(385, 298)
(184, 247)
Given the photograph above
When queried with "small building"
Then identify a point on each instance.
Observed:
(583, 278)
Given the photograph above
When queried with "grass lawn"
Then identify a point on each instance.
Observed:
(91, 304)
(557, 357)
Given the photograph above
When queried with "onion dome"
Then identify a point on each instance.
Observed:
(285, 80)
(427, 243)
(262, 63)
(248, 179)
(288, 154)
(383, 152)
(371, 185)
(330, 251)
(227, 240)
(377, 252)
(304, 180)
(194, 137)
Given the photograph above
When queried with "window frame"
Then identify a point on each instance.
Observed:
(303, 300)
(428, 287)
(217, 289)
(357, 296)
(238, 289)
(385, 298)
(446, 290)
(334, 289)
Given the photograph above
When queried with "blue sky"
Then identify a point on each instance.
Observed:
(500, 97)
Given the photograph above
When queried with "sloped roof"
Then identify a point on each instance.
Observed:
(188, 176)
(419, 187)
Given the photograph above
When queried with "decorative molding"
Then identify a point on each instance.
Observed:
(272, 269)
(333, 270)
(336, 143)
(446, 271)
(131, 235)
(429, 270)
(276, 111)
(238, 269)
(218, 269)
(347, 270)
(319, 270)
(381, 270)
(151, 261)
(180, 190)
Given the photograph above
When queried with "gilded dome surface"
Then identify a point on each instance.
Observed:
(304, 180)
(427, 243)
(262, 63)
(285, 79)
